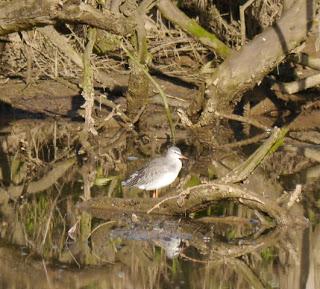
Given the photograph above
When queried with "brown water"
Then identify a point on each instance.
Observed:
(47, 242)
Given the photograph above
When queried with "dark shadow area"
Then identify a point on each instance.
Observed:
(255, 97)
(9, 113)
(282, 39)
(4, 167)
(174, 80)
(76, 103)
(310, 12)
(113, 94)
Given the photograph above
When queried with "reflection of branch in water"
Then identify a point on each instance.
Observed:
(49, 221)
(59, 169)
(205, 238)
(212, 249)
(225, 220)
(238, 266)
(241, 267)
(242, 246)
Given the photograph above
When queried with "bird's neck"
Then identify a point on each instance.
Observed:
(177, 163)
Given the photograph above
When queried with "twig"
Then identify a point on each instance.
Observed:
(243, 21)
(61, 42)
(193, 259)
(161, 202)
(99, 226)
(47, 275)
(140, 112)
(74, 258)
(49, 219)
(243, 119)
(244, 142)
(55, 140)
(186, 121)
(103, 100)
(294, 196)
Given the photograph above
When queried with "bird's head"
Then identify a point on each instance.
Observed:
(176, 153)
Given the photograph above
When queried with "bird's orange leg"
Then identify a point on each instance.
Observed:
(155, 194)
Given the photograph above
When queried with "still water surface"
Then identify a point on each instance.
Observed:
(48, 242)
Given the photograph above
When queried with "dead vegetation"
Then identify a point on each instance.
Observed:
(101, 79)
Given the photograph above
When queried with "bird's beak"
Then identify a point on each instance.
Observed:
(183, 157)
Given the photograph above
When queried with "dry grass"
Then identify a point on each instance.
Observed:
(172, 51)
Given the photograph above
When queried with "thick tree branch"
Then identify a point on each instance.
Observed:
(244, 69)
(18, 16)
(86, 14)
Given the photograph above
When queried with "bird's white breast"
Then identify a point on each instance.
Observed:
(167, 174)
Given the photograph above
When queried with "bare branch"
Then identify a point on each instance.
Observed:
(18, 16)
(172, 13)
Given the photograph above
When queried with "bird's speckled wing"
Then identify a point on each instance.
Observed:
(151, 171)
